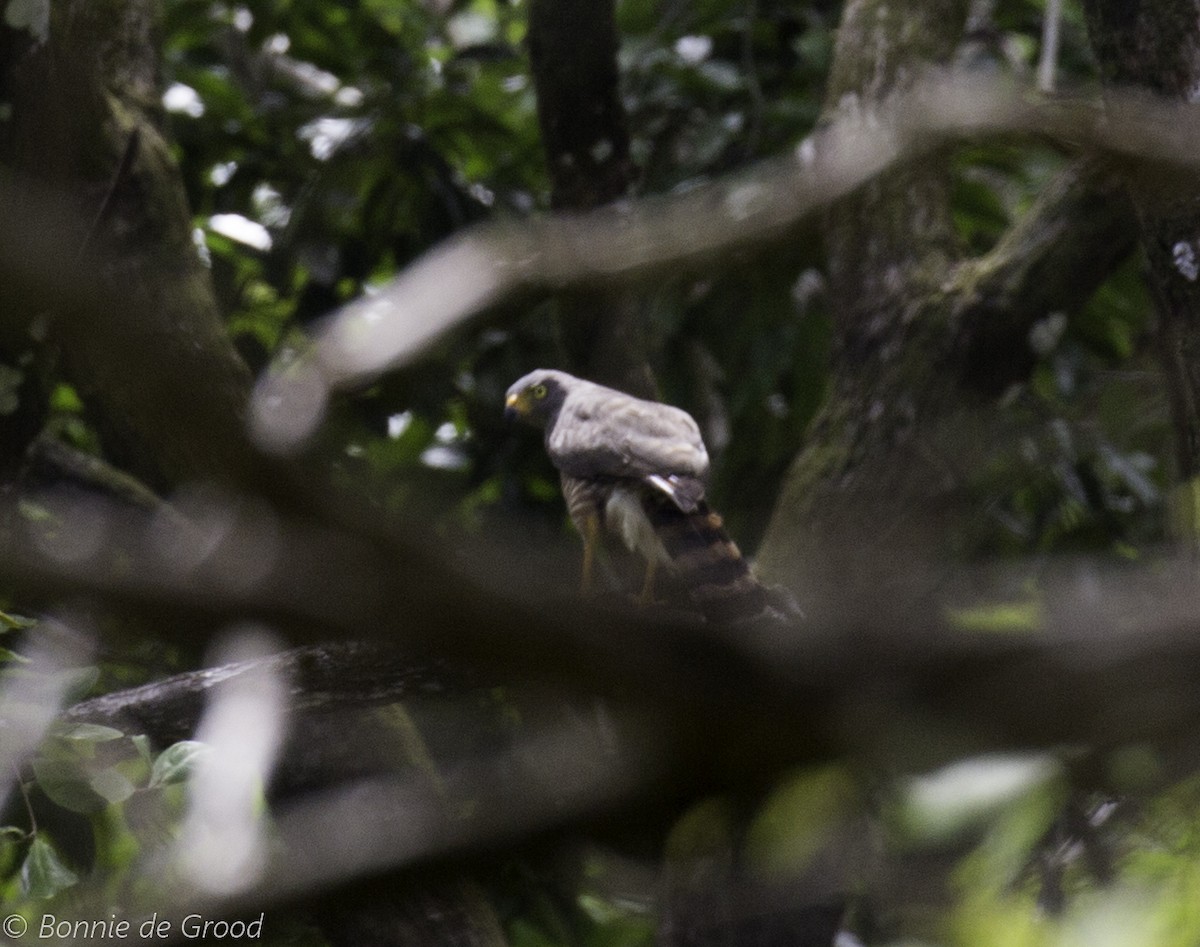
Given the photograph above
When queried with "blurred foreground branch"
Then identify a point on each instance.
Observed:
(1101, 658)
(1100, 654)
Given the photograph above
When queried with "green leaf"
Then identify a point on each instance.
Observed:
(985, 791)
(64, 398)
(44, 873)
(799, 819)
(111, 785)
(175, 763)
(67, 784)
(12, 843)
(523, 933)
(141, 743)
(117, 846)
(15, 622)
(543, 489)
(703, 833)
(88, 732)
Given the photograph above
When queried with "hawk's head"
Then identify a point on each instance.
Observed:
(538, 397)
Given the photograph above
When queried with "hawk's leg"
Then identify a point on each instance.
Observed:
(591, 538)
(647, 596)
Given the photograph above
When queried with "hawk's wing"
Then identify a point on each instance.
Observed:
(602, 432)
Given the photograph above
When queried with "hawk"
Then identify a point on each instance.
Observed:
(636, 468)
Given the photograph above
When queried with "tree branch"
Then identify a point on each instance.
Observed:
(1052, 259)
(1101, 646)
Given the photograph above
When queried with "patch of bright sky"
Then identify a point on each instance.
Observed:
(242, 229)
(470, 29)
(446, 454)
(326, 134)
(693, 49)
(397, 424)
(441, 457)
(317, 79)
(183, 100)
(968, 789)
(219, 174)
(269, 206)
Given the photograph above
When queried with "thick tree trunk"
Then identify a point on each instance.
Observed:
(924, 338)
(143, 341)
(573, 53)
(871, 472)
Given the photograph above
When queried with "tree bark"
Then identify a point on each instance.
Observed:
(925, 338)
(870, 474)
(145, 345)
(573, 54)
(333, 735)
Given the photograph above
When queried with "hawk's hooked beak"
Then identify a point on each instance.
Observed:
(515, 407)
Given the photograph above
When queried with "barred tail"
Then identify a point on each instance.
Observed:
(708, 562)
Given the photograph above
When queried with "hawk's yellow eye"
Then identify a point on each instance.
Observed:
(539, 391)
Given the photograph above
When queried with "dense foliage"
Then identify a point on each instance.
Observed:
(357, 138)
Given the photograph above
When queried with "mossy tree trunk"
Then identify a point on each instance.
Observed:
(925, 337)
(872, 472)
(138, 333)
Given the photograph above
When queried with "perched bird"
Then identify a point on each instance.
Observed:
(636, 468)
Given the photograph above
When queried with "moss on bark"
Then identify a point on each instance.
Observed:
(145, 343)
(889, 248)
(925, 338)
